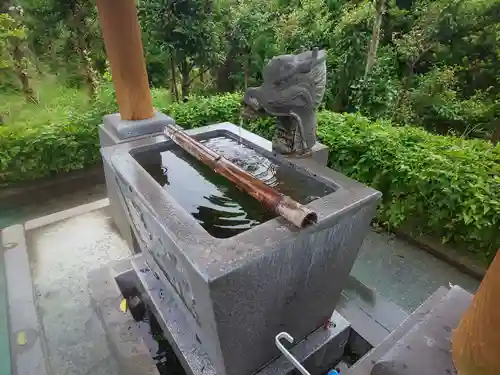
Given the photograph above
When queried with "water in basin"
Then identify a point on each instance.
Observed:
(217, 204)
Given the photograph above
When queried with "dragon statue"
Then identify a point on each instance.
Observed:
(293, 87)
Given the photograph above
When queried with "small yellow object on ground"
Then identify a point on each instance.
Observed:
(123, 305)
(21, 338)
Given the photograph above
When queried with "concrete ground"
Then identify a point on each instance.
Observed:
(62, 253)
(404, 273)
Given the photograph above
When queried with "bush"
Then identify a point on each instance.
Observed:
(201, 111)
(35, 151)
(441, 185)
(27, 154)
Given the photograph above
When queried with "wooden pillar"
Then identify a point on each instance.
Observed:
(122, 38)
(476, 341)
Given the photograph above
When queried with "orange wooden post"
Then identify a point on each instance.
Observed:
(476, 341)
(122, 38)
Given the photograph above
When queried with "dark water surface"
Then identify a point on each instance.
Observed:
(159, 348)
(215, 202)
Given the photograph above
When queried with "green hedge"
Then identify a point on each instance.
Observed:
(443, 186)
(27, 154)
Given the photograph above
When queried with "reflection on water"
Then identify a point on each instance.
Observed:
(215, 202)
(283, 178)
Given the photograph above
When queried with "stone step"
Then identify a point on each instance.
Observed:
(125, 343)
(422, 344)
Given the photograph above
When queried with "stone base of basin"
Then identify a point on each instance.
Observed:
(406, 346)
(320, 351)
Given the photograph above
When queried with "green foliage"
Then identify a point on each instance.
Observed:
(201, 111)
(444, 186)
(33, 153)
(64, 139)
(436, 65)
(12, 34)
(347, 54)
(58, 104)
(9, 29)
(186, 31)
(250, 33)
(71, 46)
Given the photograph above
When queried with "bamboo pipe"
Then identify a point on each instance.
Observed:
(476, 341)
(294, 212)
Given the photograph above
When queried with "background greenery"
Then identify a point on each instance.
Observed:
(444, 186)
(435, 63)
(411, 107)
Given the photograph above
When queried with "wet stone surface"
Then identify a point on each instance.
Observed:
(61, 255)
(403, 273)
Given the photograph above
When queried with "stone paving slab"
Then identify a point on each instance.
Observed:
(5, 368)
(25, 333)
(371, 316)
(61, 255)
(404, 273)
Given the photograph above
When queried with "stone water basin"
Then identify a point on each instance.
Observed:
(240, 273)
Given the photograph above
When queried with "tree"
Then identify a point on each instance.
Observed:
(72, 42)
(9, 29)
(186, 30)
(12, 49)
(379, 7)
(250, 39)
(349, 40)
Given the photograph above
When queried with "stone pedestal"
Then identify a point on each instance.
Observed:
(237, 293)
(319, 154)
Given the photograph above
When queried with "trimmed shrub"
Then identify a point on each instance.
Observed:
(443, 186)
(31, 153)
(28, 153)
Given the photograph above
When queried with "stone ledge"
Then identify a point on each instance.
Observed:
(26, 335)
(125, 342)
(60, 183)
(463, 263)
(365, 365)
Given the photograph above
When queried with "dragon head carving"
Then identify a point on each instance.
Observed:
(293, 87)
